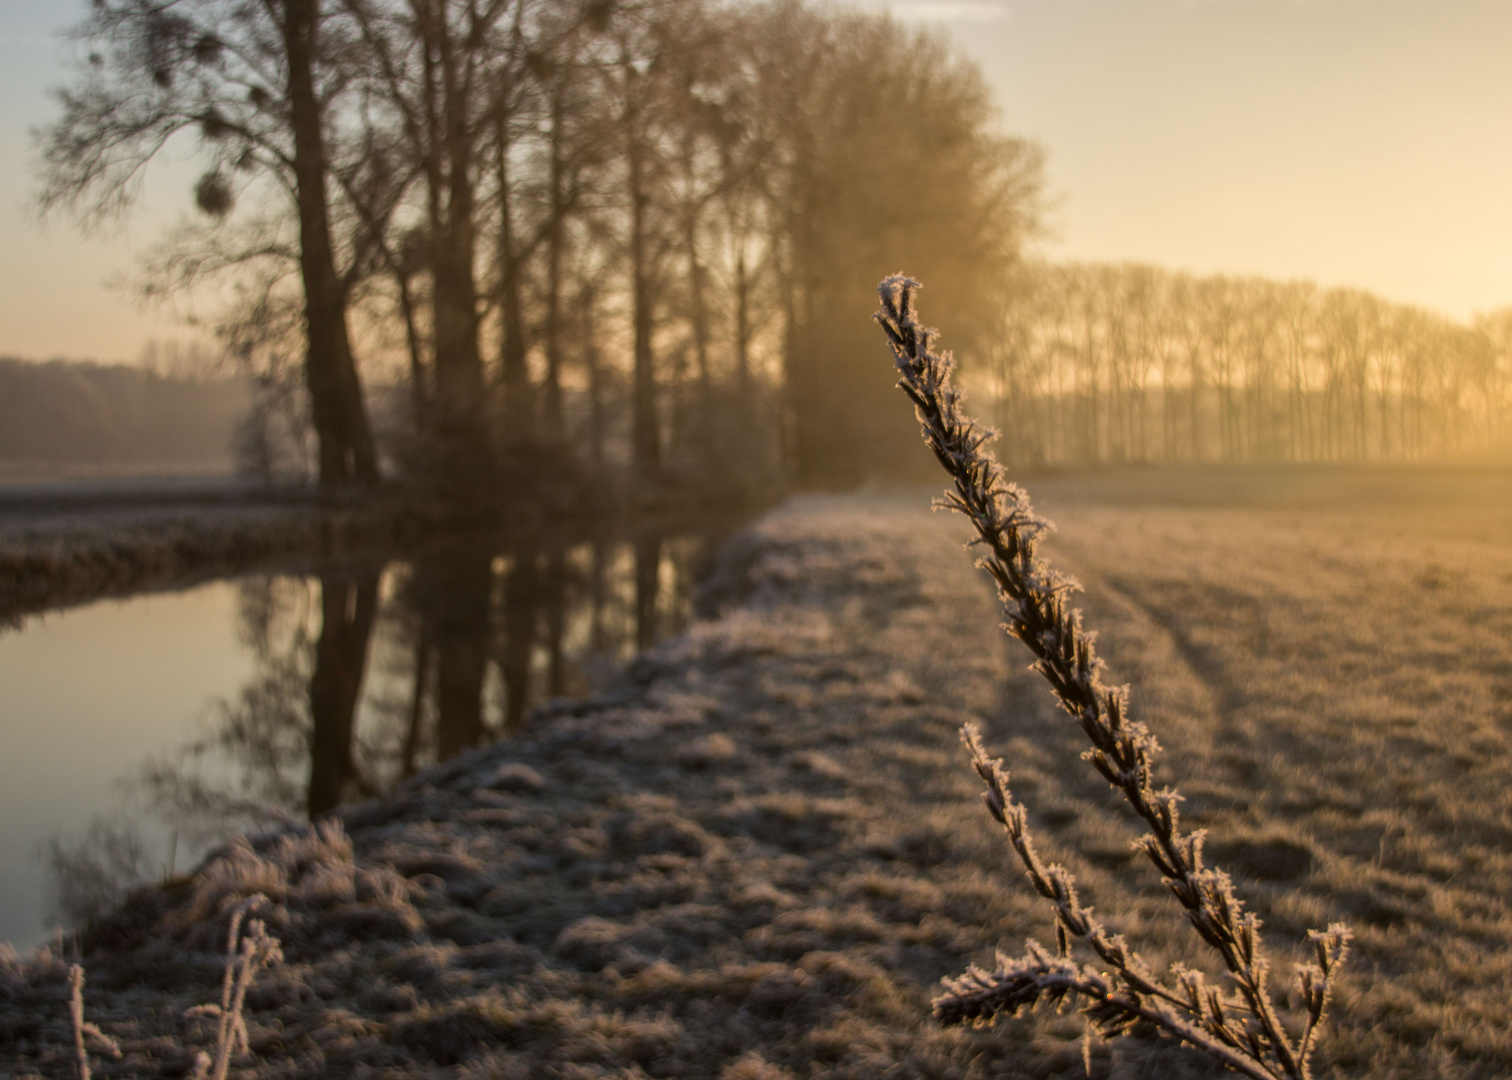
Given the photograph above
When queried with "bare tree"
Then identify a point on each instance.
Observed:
(253, 84)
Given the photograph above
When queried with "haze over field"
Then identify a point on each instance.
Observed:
(1356, 143)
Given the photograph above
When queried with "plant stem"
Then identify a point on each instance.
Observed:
(1122, 751)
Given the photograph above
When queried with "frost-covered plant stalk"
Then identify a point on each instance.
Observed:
(83, 1030)
(246, 955)
(1240, 1025)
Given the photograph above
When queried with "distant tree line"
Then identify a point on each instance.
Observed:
(636, 237)
(1097, 363)
(62, 415)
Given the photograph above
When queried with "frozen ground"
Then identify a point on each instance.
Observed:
(756, 860)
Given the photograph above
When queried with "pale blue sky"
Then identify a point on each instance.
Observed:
(1359, 142)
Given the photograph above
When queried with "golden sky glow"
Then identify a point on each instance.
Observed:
(1357, 142)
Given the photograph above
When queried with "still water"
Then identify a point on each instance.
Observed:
(135, 734)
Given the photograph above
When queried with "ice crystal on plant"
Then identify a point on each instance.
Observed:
(1242, 1028)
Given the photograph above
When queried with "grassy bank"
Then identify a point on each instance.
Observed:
(58, 556)
(59, 548)
(759, 858)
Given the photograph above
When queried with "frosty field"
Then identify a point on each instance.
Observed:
(757, 859)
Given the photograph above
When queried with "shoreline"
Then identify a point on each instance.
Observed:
(63, 559)
(57, 553)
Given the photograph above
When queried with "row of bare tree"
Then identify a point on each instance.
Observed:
(634, 232)
(1093, 363)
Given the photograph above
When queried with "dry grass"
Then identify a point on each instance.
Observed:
(1341, 679)
(1336, 671)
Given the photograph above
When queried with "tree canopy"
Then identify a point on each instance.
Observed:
(634, 235)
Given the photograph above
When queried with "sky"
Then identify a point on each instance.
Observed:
(1352, 142)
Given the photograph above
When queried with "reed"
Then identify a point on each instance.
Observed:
(1240, 1024)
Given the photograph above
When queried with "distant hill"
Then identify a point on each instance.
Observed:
(62, 416)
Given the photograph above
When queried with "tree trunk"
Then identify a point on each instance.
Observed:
(697, 308)
(645, 437)
(516, 376)
(419, 395)
(347, 454)
(554, 240)
(458, 405)
(743, 333)
(594, 363)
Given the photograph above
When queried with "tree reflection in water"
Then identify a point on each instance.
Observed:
(521, 593)
(251, 763)
(453, 597)
(347, 605)
(366, 675)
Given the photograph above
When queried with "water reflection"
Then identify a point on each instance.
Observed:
(348, 604)
(346, 681)
(456, 601)
(365, 674)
